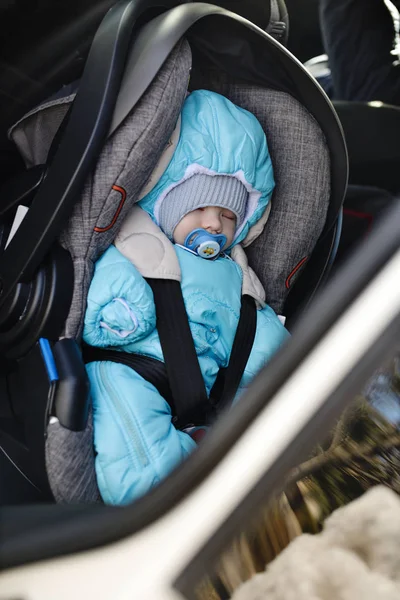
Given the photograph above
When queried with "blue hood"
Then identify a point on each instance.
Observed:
(218, 138)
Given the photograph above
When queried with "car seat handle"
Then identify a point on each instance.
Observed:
(89, 123)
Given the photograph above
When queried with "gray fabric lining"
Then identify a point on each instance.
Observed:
(299, 205)
(70, 464)
(127, 161)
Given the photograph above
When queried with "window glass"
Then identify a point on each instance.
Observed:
(362, 451)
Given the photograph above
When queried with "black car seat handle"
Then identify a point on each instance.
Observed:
(88, 126)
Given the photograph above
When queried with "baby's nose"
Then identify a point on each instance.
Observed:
(212, 221)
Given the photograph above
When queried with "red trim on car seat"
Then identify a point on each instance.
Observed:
(121, 190)
(360, 215)
(297, 267)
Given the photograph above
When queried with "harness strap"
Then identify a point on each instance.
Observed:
(228, 379)
(149, 368)
(179, 379)
(183, 370)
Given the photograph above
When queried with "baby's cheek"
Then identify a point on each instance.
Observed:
(178, 236)
(230, 233)
(182, 230)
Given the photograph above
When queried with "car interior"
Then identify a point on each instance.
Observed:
(78, 77)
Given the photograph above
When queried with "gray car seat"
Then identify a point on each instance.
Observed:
(44, 379)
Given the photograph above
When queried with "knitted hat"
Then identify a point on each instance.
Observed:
(199, 191)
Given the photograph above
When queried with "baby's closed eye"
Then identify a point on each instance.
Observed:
(229, 216)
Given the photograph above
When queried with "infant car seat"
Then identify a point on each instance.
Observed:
(88, 155)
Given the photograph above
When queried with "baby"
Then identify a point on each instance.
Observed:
(211, 198)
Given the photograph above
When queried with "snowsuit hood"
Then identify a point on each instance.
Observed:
(219, 138)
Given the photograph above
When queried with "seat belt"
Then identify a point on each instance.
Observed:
(277, 26)
(228, 379)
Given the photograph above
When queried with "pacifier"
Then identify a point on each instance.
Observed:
(205, 244)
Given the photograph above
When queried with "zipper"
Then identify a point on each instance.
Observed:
(132, 438)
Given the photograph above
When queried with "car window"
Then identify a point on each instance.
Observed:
(361, 451)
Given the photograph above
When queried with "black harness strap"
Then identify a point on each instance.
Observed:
(179, 379)
(185, 378)
(151, 369)
(228, 379)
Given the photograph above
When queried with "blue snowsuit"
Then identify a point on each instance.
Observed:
(136, 443)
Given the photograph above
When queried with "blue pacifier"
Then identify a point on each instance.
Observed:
(205, 244)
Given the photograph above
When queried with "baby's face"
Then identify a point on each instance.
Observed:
(210, 218)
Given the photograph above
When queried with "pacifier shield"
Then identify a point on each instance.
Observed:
(209, 249)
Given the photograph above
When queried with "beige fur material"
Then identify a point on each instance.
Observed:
(142, 242)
